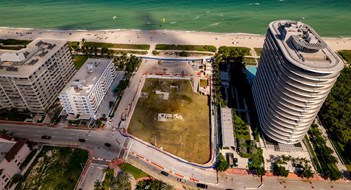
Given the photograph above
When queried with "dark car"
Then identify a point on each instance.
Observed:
(108, 144)
(201, 185)
(235, 161)
(164, 173)
(45, 137)
(81, 140)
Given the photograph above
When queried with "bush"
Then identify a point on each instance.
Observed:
(183, 54)
(155, 52)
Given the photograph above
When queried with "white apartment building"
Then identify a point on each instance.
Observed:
(32, 78)
(12, 155)
(84, 93)
(294, 77)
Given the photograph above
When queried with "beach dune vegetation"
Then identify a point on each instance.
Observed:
(209, 48)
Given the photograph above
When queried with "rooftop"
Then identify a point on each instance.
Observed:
(25, 62)
(227, 127)
(5, 147)
(303, 47)
(85, 79)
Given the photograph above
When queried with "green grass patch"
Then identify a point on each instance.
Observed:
(346, 55)
(186, 47)
(249, 61)
(54, 168)
(258, 51)
(79, 60)
(174, 135)
(14, 42)
(203, 82)
(135, 172)
(122, 46)
(129, 51)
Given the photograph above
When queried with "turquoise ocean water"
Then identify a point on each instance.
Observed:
(329, 17)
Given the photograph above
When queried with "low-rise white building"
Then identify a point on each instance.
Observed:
(84, 93)
(12, 155)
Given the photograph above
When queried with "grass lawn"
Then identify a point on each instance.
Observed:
(346, 55)
(186, 47)
(188, 138)
(54, 168)
(79, 60)
(241, 129)
(122, 46)
(258, 51)
(314, 156)
(135, 172)
(203, 82)
(249, 61)
(129, 51)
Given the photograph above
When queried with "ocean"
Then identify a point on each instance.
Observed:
(330, 18)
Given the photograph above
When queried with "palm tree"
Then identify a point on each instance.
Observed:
(98, 185)
(121, 182)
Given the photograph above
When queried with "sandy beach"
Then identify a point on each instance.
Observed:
(154, 37)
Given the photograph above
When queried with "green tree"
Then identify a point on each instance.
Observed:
(307, 171)
(280, 170)
(260, 171)
(121, 182)
(222, 163)
(153, 185)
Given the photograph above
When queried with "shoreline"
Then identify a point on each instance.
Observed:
(153, 37)
(140, 30)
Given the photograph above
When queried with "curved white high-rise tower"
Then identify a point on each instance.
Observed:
(295, 73)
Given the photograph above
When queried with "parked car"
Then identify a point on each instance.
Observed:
(181, 180)
(235, 161)
(250, 161)
(201, 185)
(108, 144)
(81, 140)
(45, 137)
(164, 173)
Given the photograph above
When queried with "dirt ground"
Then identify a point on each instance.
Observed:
(188, 138)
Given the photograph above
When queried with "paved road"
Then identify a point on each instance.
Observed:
(94, 139)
